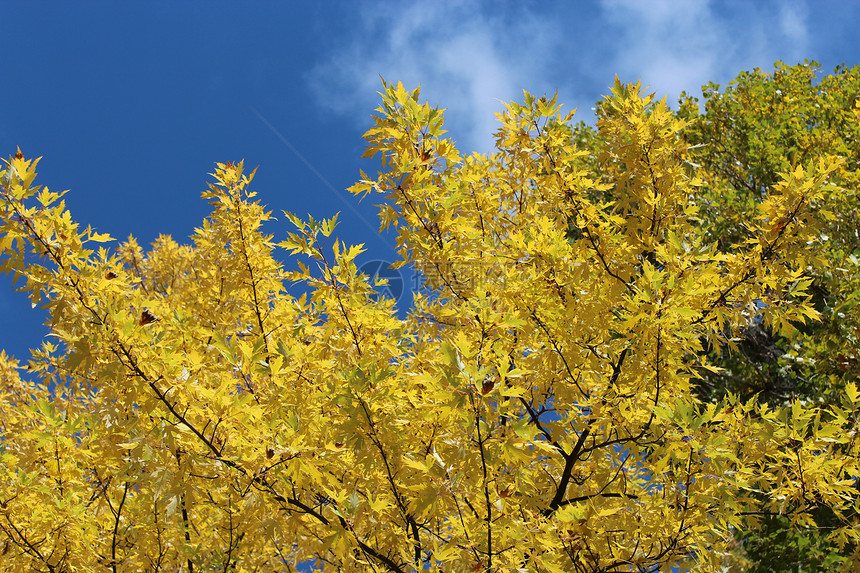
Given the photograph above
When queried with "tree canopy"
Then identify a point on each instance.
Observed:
(537, 410)
(746, 134)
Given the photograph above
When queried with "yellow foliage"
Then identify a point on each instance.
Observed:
(534, 413)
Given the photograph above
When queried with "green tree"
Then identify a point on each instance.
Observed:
(745, 136)
(535, 411)
(760, 126)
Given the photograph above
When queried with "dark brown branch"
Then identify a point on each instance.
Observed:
(559, 352)
(116, 525)
(398, 496)
(251, 274)
(594, 495)
(488, 503)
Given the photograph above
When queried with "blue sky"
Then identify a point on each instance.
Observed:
(131, 103)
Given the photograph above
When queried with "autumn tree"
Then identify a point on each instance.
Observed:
(535, 411)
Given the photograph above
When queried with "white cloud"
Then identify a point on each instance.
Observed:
(671, 46)
(793, 17)
(465, 60)
(470, 56)
(676, 46)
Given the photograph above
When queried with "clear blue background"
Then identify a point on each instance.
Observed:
(131, 103)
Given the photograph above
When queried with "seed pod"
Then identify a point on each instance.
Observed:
(146, 317)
